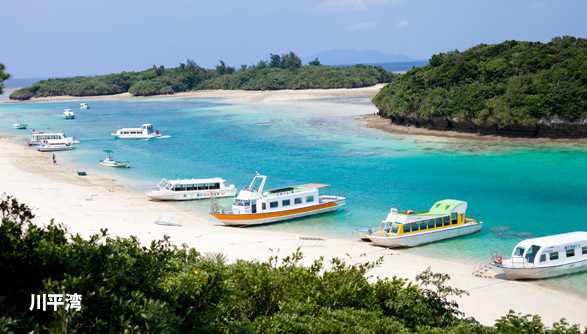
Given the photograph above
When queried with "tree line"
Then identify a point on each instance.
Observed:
(126, 287)
(279, 72)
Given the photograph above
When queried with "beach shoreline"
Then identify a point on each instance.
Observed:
(87, 204)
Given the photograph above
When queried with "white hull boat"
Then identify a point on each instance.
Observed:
(110, 162)
(68, 114)
(144, 132)
(54, 147)
(191, 189)
(84, 106)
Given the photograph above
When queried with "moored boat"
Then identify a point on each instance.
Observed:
(110, 162)
(84, 106)
(545, 257)
(191, 189)
(68, 114)
(40, 137)
(255, 206)
(54, 147)
(146, 131)
(19, 126)
(384, 227)
(445, 219)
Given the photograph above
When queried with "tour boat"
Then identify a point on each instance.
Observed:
(255, 206)
(40, 137)
(68, 114)
(545, 257)
(189, 189)
(54, 147)
(144, 132)
(110, 162)
(19, 126)
(445, 219)
(384, 227)
(84, 106)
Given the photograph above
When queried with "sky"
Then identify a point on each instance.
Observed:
(41, 38)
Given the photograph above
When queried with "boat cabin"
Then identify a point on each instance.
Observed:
(191, 185)
(551, 250)
(442, 214)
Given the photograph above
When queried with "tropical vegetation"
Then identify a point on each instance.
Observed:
(126, 287)
(3, 76)
(279, 72)
(494, 86)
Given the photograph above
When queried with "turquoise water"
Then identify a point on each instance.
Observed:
(519, 190)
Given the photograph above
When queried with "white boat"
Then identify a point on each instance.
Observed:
(84, 106)
(255, 206)
(190, 189)
(68, 114)
(19, 126)
(144, 132)
(54, 147)
(110, 162)
(545, 257)
(384, 227)
(40, 137)
(445, 219)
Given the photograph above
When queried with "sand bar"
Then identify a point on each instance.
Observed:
(87, 204)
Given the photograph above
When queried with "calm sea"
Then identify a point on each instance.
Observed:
(520, 190)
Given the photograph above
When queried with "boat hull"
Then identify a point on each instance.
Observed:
(273, 217)
(422, 238)
(189, 195)
(136, 136)
(116, 164)
(543, 272)
(54, 148)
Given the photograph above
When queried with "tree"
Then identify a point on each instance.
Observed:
(315, 62)
(3, 76)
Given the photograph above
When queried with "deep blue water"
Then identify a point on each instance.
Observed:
(519, 189)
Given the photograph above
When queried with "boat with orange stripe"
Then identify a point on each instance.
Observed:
(255, 206)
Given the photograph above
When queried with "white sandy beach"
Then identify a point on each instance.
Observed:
(87, 204)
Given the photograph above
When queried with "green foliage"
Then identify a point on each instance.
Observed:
(503, 84)
(281, 72)
(130, 288)
(3, 76)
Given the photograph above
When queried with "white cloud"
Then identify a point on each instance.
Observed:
(538, 5)
(402, 24)
(362, 26)
(352, 4)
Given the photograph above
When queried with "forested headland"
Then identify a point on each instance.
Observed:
(513, 89)
(279, 72)
(126, 287)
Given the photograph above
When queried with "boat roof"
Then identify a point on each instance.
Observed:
(108, 151)
(553, 240)
(312, 185)
(190, 181)
(445, 207)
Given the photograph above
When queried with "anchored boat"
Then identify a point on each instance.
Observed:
(19, 126)
(110, 162)
(68, 114)
(144, 132)
(46, 147)
(255, 206)
(84, 106)
(40, 137)
(189, 189)
(545, 257)
(445, 219)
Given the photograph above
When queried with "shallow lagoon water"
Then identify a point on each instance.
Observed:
(520, 190)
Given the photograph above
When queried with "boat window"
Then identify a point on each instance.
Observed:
(431, 223)
(241, 202)
(423, 224)
(446, 221)
(191, 187)
(553, 256)
(168, 186)
(298, 200)
(519, 251)
(415, 226)
(179, 187)
(531, 253)
(309, 199)
(203, 186)
(454, 217)
(285, 202)
(407, 228)
(263, 206)
(438, 222)
(273, 204)
(543, 258)
(214, 185)
(584, 250)
(570, 252)
(395, 228)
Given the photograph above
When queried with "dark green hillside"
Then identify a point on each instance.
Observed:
(512, 88)
(280, 72)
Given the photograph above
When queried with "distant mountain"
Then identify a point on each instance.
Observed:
(351, 57)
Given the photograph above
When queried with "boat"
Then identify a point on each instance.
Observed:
(40, 137)
(190, 189)
(68, 114)
(384, 227)
(445, 219)
(144, 132)
(84, 106)
(254, 205)
(19, 126)
(54, 147)
(110, 162)
(545, 257)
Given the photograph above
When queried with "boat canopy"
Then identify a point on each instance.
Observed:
(445, 207)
